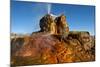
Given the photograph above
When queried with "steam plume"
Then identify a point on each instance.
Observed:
(49, 8)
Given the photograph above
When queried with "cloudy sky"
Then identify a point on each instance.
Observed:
(25, 16)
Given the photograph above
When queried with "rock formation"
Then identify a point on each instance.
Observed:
(55, 25)
(48, 46)
(62, 25)
(47, 24)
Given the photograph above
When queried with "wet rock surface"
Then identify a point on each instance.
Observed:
(48, 49)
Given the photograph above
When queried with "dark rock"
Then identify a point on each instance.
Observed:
(47, 24)
(61, 24)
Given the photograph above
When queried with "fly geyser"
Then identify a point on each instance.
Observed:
(55, 25)
(53, 44)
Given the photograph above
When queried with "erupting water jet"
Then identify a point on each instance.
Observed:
(49, 8)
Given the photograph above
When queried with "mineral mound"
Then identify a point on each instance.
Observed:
(53, 44)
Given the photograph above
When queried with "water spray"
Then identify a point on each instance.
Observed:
(49, 8)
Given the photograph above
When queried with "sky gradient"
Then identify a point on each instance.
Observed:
(25, 16)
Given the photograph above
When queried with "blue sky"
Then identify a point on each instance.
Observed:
(25, 16)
